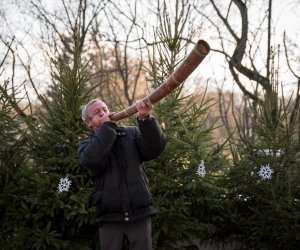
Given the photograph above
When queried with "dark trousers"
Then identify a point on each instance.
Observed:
(138, 234)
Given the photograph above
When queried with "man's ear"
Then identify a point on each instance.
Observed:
(88, 123)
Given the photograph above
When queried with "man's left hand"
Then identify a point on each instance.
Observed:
(144, 108)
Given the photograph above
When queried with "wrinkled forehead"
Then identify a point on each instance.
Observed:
(96, 105)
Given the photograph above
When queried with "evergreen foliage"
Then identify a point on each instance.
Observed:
(263, 213)
(36, 215)
(13, 161)
(188, 205)
(62, 220)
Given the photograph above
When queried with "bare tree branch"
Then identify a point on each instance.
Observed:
(235, 60)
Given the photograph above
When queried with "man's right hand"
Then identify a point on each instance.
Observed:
(106, 117)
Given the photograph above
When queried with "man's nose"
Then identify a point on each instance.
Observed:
(101, 113)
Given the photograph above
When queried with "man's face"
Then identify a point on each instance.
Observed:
(95, 112)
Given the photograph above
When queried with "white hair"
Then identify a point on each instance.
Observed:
(84, 114)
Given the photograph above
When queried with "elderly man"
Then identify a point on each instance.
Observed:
(114, 157)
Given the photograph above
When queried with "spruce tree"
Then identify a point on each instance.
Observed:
(263, 185)
(188, 203)
(13, 164)
(56, 215)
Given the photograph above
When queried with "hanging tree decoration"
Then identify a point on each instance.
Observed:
(201, 169)
(265, 172)
(64, 184)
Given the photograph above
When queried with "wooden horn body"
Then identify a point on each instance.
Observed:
(181, 73)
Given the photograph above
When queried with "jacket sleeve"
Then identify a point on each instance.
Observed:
(93, 153)
(150, 138)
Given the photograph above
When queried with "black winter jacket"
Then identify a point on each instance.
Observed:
(114, 157)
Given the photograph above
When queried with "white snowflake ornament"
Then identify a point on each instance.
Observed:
(64, 184)
(265, 172)
(201, 169)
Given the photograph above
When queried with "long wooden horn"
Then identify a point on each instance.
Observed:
(188, 65)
